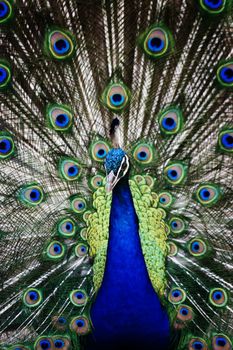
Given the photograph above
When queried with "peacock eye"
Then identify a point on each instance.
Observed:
(55, 250)
(99, 151)
(165, 199)
(43, 343)
(218, 297)
(177, 225)
(177, 296)
(197, 344)
(67, 227)
(143, 154)
(83, 233)
(96, 182)
(62, 343)
(175, 173)
(81, 250)
(5, 75)
(6, 11)
(213, 6)
(78, 297)
(225, 74)
(172, 249)
(184, 313)
(221, 342)
(59, 117)
(78, 205)
(225, 140)
(156, 42)
(80, 325)
(59, 322)
(197, 247)
(171, 121)
(7, 147)
(207, 194)
(31, 195)
(116, 97)
(86, 215)
(59, 343)
(32, 297)
(69, 169)
(60, 44)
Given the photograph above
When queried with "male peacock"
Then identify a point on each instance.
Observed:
(121, 240)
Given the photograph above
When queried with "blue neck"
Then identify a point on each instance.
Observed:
(127, 310)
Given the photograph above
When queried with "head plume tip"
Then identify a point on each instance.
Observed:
(114, 124)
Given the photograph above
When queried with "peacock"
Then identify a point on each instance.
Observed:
(116, 145)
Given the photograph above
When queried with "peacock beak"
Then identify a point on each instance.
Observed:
(110, 181)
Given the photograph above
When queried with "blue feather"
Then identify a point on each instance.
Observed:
(127, 310)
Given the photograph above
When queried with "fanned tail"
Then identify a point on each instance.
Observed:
(70, 71)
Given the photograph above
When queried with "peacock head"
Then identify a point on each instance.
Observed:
(116, 166)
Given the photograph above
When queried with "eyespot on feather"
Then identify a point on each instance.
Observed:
(69, 169)
(99, 151)
(80, 325)
(197, 344)
(31, 195)
(218, 297)
(55, 250)
(165, 199)
(177, 225)
(197, 247)
(116, 97)
(61, 342)
(171, 121)
(156, 41)
(207, 194)
(6, 11)
(7, 146)
(59, 44)
(172, 248)
(81, 250)
(5, 75)
(59, 117)
(225, 74)
(213, 7)
(59, 322)
(66, 227)
(221, 342)
(225, 141)
(184, 313)
(78, 297)
(78, 204)
(96, 182)
(177, 295)
(32, 297)
(143, 154)
(44, 343)
(175, 173)
(83, 233)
